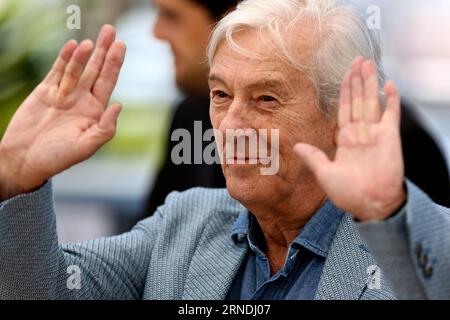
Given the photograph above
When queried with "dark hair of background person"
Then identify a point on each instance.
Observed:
(217, 8)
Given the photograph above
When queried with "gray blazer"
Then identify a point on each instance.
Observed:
(413, 247)
(184, 251)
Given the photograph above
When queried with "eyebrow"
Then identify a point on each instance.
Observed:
(216, 78)
(265, 84)
(268, 84)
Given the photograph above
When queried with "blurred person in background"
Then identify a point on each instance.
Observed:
(186, 25)
(425, 163)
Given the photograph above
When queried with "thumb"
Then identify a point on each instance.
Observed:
(108, 121)
(315, 159)
(392, 114)
(106, 128)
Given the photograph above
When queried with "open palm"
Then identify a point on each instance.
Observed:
(366, 176)
(65, 120)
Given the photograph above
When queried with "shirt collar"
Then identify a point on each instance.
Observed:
(241, 226)
(316, 236)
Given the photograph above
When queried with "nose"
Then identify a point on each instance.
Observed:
(159, 30)
(236, 116)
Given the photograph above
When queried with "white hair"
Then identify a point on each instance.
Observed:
(341, 30)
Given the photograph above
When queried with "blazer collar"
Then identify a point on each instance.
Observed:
(216, 261)
(346, 272)
(218, 258)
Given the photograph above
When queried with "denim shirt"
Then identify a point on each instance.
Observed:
(299, 278)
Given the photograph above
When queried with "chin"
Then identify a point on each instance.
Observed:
(246, 185)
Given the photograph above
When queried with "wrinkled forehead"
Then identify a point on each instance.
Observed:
(254, 55)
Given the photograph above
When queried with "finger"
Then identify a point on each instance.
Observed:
(104, 41)
(55, 74)
(108, 121)
(107, 80)
(75, 67)
(362, 133)
(315, 159)
(347, 137)
(104, 131)
(392, 114)
(372, 106)
(357, 91)
(345, 103)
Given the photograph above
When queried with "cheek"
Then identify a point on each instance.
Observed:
(181, 43)
(293, 129)
(305, 123)
(288, 158)
(216, 116)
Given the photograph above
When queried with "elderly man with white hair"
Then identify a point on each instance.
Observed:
(294, 67)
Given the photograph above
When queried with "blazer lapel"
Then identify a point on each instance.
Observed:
(216, 260)
(345, 274)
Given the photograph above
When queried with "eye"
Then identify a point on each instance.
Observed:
(219, 96)
(267, 99)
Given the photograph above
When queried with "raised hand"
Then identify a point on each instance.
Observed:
(367, 175)
(65, 120)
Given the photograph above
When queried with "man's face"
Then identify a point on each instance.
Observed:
(186, 26)
(267, 93)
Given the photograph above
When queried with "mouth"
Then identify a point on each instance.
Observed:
(247, 160)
